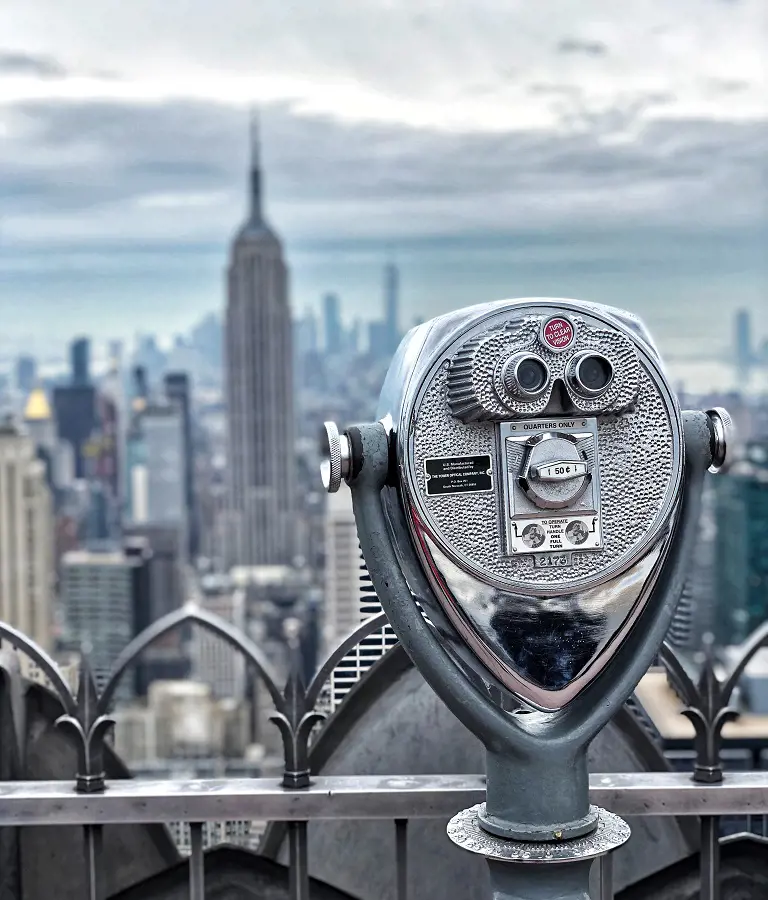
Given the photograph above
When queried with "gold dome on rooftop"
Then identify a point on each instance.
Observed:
(37, 409)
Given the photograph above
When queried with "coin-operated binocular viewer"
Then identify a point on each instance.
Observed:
(526, 505)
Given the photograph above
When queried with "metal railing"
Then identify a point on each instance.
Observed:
(299, 799)
(397, 799)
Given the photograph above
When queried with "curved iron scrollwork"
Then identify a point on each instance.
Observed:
(296, 717)
(707, 703)
(20, 641)
(82, 718)
(173, 621)
(89, 728)
(86, 716)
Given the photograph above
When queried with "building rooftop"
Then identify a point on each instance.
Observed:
(259, 576)
(92, 558)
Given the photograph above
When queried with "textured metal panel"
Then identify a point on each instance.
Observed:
(475, 390)
(635, 493)
(543, 631)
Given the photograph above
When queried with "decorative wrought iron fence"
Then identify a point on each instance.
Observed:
(299, 798)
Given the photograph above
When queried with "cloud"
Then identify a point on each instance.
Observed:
(20, 63)
(97, 174)
(727, 85)
(580, 46)
(368, 60)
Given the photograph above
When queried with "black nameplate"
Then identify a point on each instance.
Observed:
(458, 475)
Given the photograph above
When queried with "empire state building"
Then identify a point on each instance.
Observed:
(259, 392)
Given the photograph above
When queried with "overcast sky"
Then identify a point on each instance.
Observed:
(610, 150)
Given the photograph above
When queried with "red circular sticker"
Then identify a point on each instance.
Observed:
(557, 333)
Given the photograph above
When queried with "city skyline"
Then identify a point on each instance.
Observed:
(608, 157)
(701, 370)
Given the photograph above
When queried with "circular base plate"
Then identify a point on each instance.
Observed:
(465, 831)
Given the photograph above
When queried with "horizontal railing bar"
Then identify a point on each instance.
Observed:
(356, 797)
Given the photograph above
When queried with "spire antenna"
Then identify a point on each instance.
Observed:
(255, 140)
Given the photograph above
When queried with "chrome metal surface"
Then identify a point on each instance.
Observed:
(465, 831)
(468, 532)
(477, 355)
(551, 483)
(553, 663)
(723, 436)
(576, 376)
(553, 468)
(25, 803)
(606, 525)
(511, 376)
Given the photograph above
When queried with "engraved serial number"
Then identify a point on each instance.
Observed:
(552, 560)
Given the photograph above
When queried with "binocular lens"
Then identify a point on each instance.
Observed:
(592, 374)
(531, 374)
(525, 376)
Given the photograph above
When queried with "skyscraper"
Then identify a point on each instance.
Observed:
(80, 351)
(26, 537)
(100, 593)
(259, 391)
(213, 661)
(76, 407)
(743, 342)
(306, 333)
(177, 390)
(158, 590)
(157, 468)
(26, 373)
(741, 561)
(349, 598)
(113, 389)
(342, 569)
(694, 616)
(333, 330)
(391, 306)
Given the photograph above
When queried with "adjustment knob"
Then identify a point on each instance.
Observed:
(723, 436)
(335, 466)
